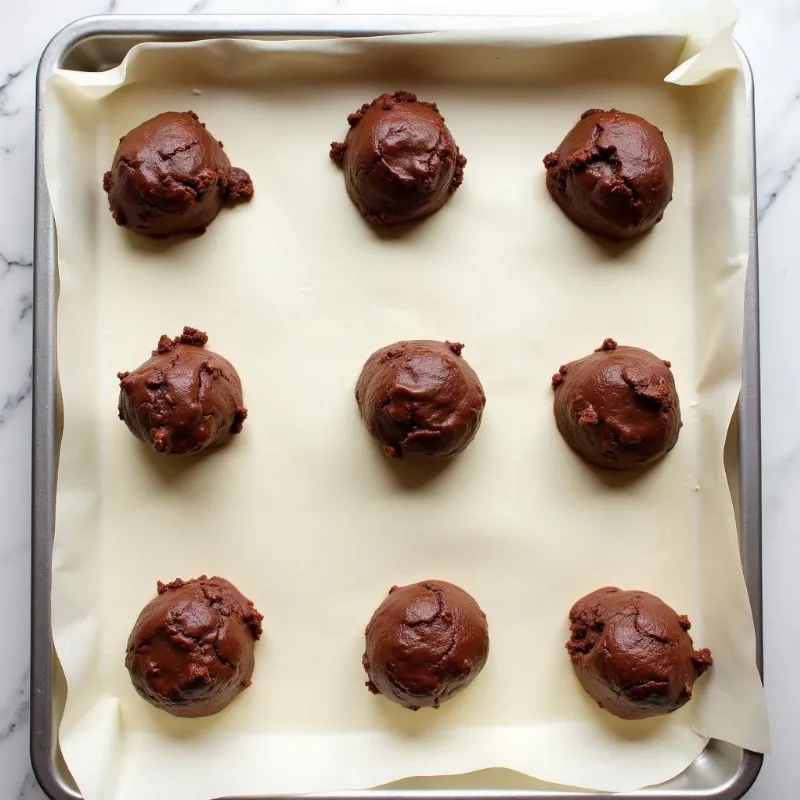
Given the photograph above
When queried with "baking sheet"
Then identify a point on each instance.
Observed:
(302, 512)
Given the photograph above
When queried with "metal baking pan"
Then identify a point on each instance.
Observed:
(722, 771)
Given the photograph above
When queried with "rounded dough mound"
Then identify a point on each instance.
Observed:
(612, 174)
(425, 643)
(191, 650)
(617, 408)
(632, 653)
(420, 398)
(399, 159)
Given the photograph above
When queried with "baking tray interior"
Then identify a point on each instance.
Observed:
(99, 43)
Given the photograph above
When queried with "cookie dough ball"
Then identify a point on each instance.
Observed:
(170, 175)
(420, 398)
(612, 174)
(426, 642)
(184, 399)
(632, 653)
(191, 650)
(399, 159)
(617, 408)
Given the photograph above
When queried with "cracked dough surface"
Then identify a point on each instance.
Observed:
(618, 407)
(425, 643)
(183, 399)
(633, 654)
(612, 174)
(191, 650)
(400, 161)
(170, 176)
(420, 398)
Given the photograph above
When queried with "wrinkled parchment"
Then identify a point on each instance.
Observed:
(302, 511)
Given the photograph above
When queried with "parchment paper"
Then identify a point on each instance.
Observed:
(302, 511)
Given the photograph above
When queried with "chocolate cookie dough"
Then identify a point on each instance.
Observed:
(617, 408)
(170, 175)
(191, 650)
(632, 653)
(426, 642)
(612, 174)
(420, 398)
(184, 399)
(399, 159)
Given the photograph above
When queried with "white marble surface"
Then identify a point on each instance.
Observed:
(768, 30)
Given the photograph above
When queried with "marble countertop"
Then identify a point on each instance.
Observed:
(768, 30)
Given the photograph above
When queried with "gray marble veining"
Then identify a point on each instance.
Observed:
(768, 30)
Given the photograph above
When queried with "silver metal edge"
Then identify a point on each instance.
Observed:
(43, 740)
(750, 488)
